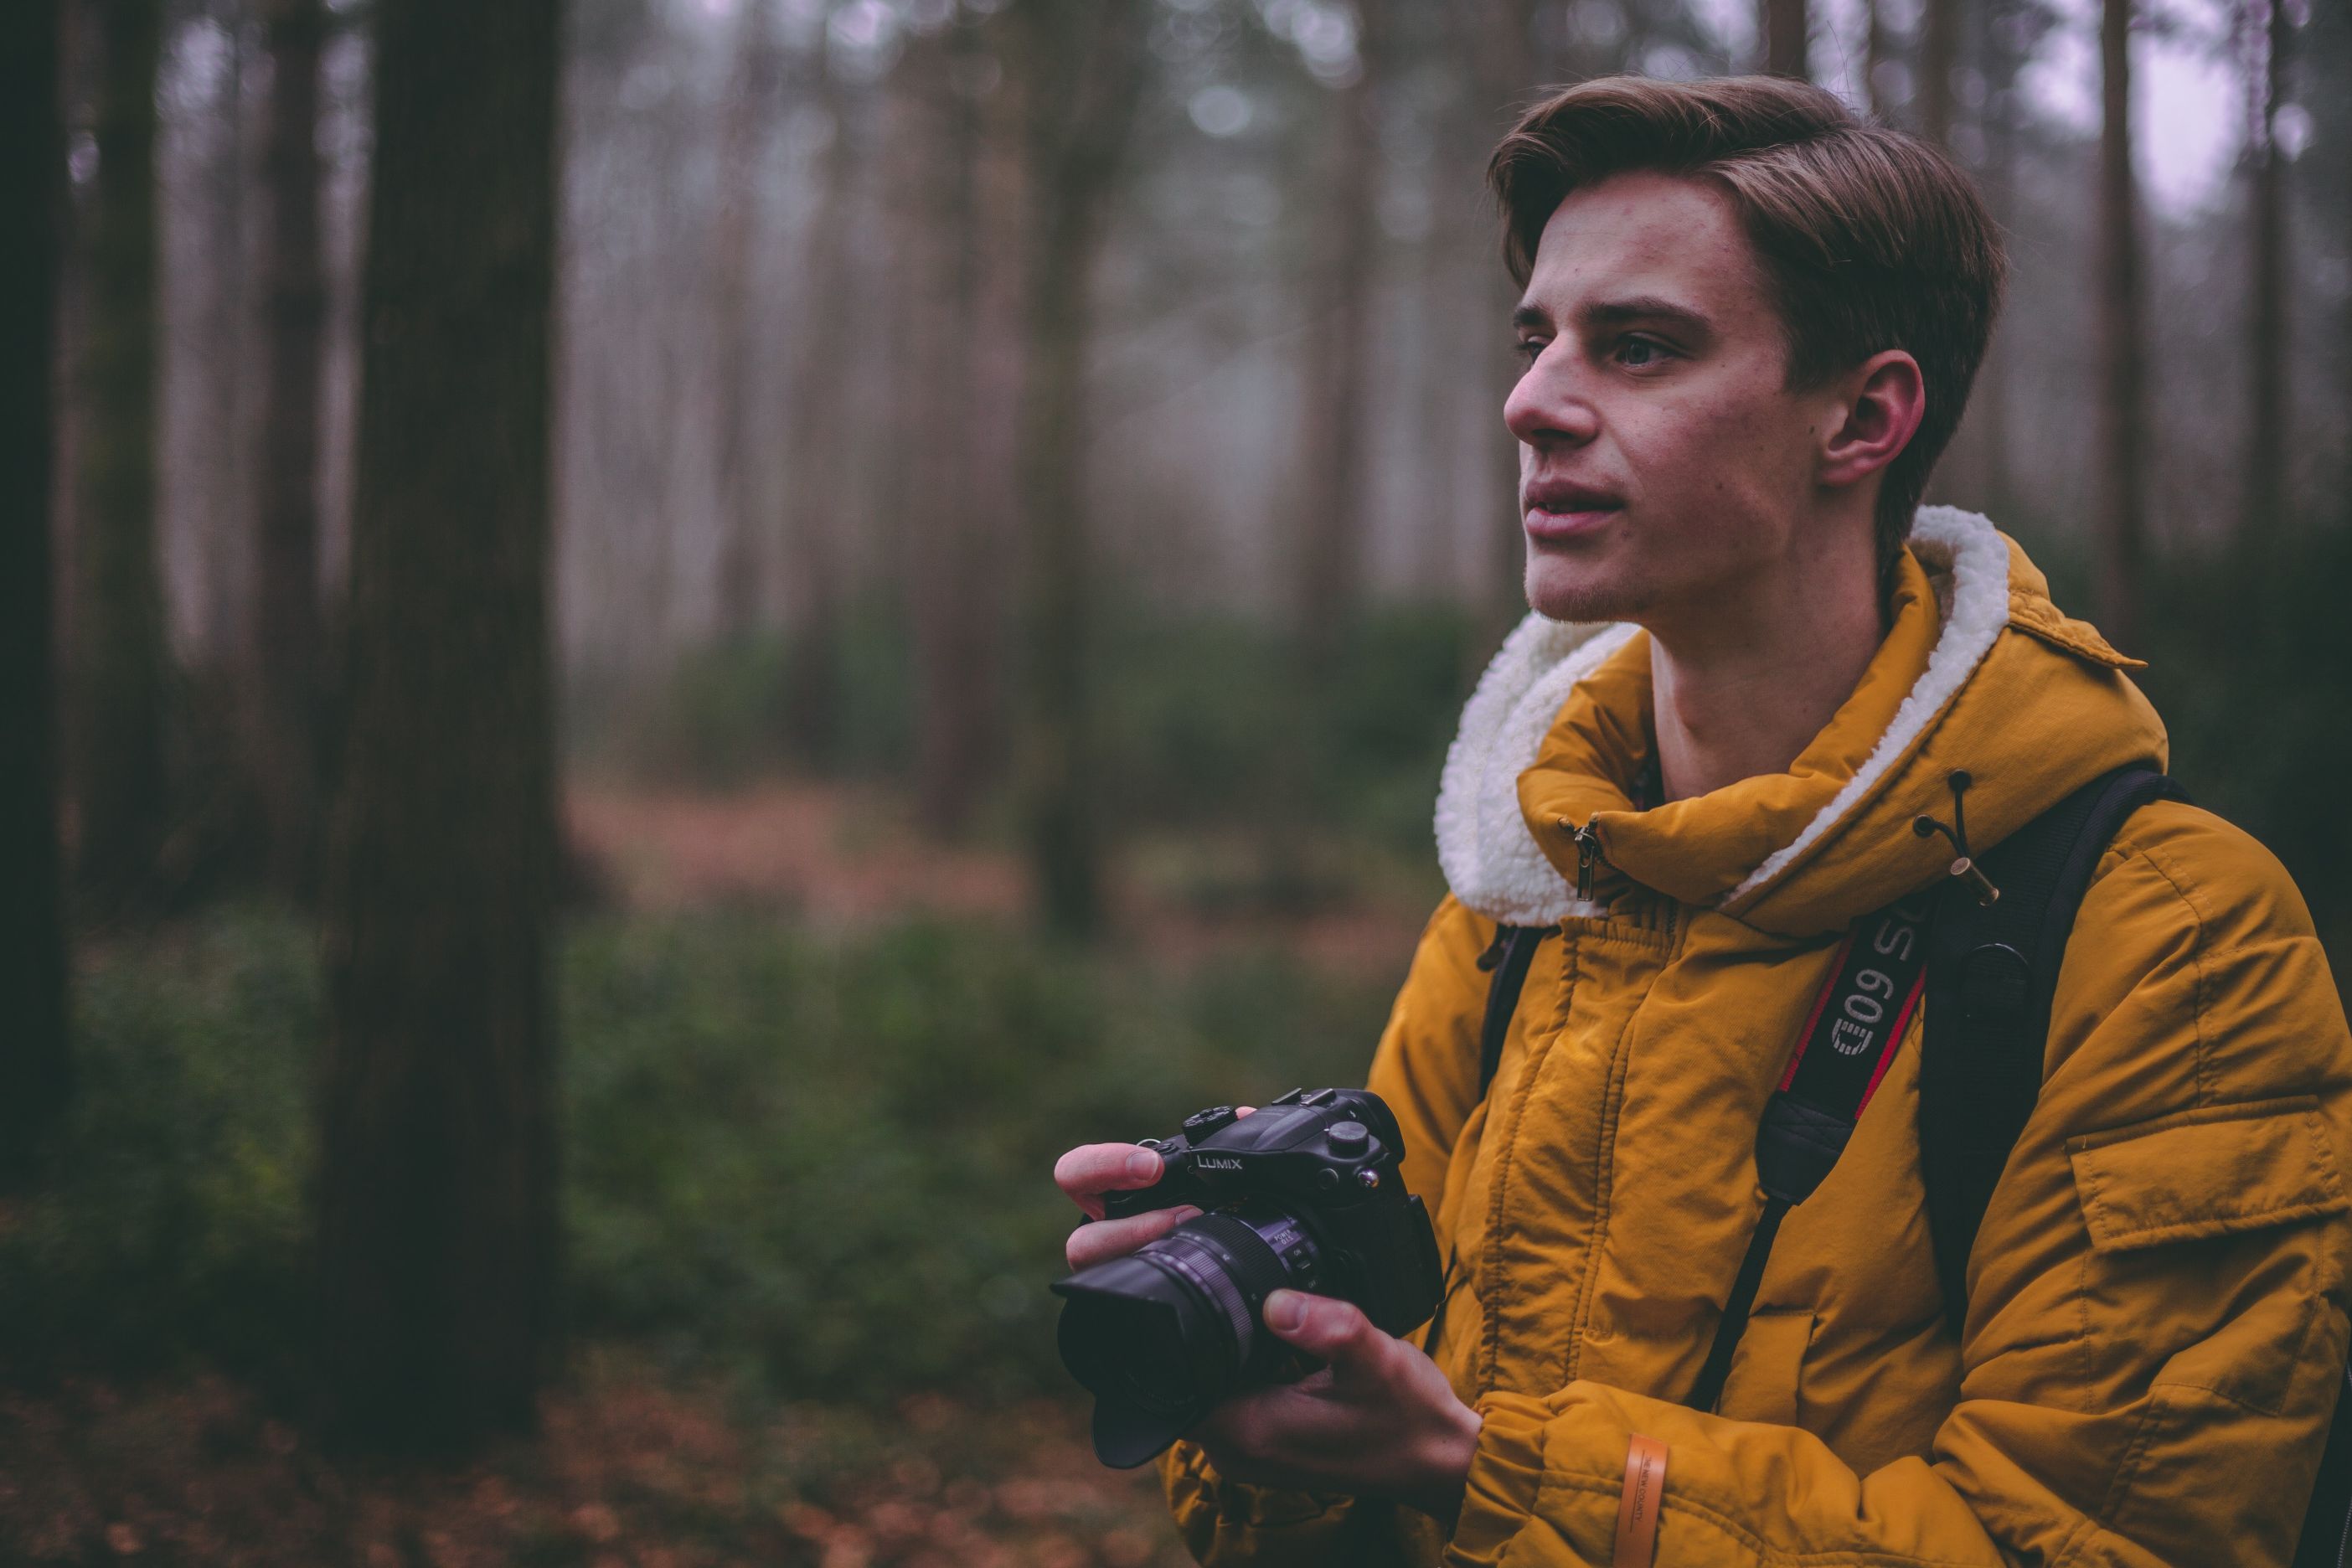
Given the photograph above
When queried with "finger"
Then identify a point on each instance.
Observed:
(1333, 1332)
(1106, 1239)
(1085, 1174)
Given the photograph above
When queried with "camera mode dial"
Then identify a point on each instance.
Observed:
(1349, 1138)
(1202, 1123)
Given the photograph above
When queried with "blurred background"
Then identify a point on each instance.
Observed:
(650, 647)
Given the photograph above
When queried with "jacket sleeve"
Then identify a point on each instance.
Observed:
(1427, 1067)
(2156, 1328)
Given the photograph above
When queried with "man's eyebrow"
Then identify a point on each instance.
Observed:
(1612, 312)
(1647, 308)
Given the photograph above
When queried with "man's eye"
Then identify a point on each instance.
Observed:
(1639, 351)
(1529, 348)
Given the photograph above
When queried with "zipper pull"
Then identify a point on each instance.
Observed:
(1588, 851)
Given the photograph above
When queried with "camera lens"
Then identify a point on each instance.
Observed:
(1163, 1334)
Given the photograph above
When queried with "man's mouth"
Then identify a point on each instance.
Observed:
(1557, 511)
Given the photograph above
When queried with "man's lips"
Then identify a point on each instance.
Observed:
(1558, 511)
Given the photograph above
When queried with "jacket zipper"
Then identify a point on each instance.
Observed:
(1588, 851)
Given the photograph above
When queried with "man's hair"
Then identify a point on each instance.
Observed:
(1869, 239)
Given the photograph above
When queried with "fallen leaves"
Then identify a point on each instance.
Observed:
(628, 1472)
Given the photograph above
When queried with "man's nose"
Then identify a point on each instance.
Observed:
(1550, 403)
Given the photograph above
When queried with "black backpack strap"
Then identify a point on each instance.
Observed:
(1851, 1037)
(1993, 972)
(2328, 1522)
(1507, 959)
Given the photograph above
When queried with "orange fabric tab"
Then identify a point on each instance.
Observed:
(1637, 1510)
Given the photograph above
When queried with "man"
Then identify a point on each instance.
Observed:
(1750, 323)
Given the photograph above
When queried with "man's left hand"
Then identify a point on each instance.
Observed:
(1378, 1418)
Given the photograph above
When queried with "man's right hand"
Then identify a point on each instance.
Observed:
(1086, 1174)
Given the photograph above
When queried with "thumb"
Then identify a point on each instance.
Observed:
(1333, 1332)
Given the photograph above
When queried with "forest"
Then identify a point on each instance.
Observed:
(649, 649)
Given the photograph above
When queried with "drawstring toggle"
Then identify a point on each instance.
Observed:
(1964, 866)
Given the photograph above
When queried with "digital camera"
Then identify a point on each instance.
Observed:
(1305, 1194)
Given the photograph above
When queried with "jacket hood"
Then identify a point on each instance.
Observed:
(1979, 672)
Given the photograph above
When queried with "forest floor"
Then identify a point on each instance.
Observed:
(830, 854)
(639, 1464)
(630, 1472)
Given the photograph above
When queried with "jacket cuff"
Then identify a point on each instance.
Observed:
(1504, 1472)
(1226, 1521)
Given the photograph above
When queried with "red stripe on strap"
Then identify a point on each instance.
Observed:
(1893, 1039)
(1812, 1019)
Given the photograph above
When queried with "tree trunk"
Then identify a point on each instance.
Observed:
(117, 720)
(1499, 40)
(1084, 63)
(2267, 520)
(285, 639)
(34, 1063)
(1875, 59)
(1329, 563)
(1785, 30)
(1993, 395)
(814, 514)
(2122, 542)
(742, 140)
(438, 1218)
(1939, 46)
(954, 582)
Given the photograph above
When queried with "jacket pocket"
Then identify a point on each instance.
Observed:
(2214, 1171)
(2205, 1260)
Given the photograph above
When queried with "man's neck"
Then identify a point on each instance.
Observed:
(1740, 689)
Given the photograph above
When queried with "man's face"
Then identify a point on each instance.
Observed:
(1664, 467)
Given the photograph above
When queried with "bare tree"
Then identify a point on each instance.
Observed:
(117, 720)
(2266, 519)
(1877, 59)
(1329, 564)
(1497, 40)
(817, 467)
(1988, 410)
(742, 140)
(437, 1200)
(2122, 542)
(35, 1059)
(955, 319)
(1081, 65)
(1786, 32)
(285, 651)
(1939, 47)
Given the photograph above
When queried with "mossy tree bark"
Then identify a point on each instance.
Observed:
(116, 723)
(34, 1055)
(437, 1220)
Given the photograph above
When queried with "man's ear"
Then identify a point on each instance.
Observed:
(1885, 400)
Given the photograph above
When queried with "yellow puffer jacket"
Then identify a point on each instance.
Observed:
(2156, 1324)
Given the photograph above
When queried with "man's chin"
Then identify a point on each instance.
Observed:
(1573, 591)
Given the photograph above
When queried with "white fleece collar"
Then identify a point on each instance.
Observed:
(1493, 863)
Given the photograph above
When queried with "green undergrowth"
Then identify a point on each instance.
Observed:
(821, 1164)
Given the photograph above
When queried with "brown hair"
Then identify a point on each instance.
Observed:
(1870, 239)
